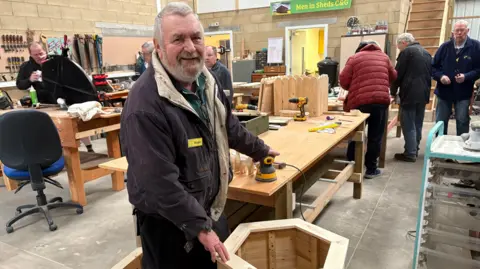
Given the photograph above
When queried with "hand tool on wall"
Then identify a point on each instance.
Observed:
(301, 102)
(266, 171)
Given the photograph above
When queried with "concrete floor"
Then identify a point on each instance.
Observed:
(376, 225)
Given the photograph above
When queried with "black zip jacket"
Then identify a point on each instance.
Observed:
(171, 174)
(414, 68)
(24, 83)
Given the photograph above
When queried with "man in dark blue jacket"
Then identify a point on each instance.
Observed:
(456, 67)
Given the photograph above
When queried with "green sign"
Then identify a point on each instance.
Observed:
(304, 6)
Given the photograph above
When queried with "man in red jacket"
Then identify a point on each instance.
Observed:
(367, 77)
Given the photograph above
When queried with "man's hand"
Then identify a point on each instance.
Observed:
(445, 80)
(460, 78)
(34, 77)
(273, 153)
(212, 243)
(392, 99)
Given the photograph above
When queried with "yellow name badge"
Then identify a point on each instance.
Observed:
(195, 142)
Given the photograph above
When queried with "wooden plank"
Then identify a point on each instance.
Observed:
(302, 245)
(359, 163)
(301, 91)
(255, 250)
(97, 131)
(313, 253)
(260, 94)
(285, 92)
(132, 261)
(119, 164)
(113, 145)
(74, 172)
(292, 92)
(253, 198)
(285, 248)
(310, 84)
(283, 202)
(272, 257)
(298, 137)
(9, 183)
(323, 199)
(277, 96)
(267, 98)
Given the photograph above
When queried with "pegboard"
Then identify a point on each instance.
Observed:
(15, 51)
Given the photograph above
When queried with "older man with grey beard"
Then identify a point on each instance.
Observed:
(176, 131)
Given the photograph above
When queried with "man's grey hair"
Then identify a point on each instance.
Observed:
(213, 48)
(461, 22)
(405, 37)
(149, 46)
(173, 8)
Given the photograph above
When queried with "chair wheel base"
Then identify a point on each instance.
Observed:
(10, 229)
(52, 227)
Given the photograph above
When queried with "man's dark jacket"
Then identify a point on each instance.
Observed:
(414, 69)
(169, 175)
(447, 62)
(24, 83)
(223, 75)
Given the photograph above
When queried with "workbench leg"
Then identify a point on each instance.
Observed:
(359, 160)
(381, 162)
(283, 202)
(113, 144)
(74, 172)
(11, 185)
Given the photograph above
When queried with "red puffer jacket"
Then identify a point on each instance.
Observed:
(367, 77)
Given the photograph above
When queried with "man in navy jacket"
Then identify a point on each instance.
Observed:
(456, 67)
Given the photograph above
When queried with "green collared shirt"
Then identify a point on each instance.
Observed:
(197, 99)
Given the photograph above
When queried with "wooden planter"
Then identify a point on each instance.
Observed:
(290, 243)
(287, 244)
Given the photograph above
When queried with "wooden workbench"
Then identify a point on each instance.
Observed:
(302, 149)
(71, 130)
(335, 105)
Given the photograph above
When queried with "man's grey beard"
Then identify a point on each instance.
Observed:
(177, 72)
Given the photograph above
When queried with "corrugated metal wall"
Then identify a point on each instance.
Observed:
(466, 8)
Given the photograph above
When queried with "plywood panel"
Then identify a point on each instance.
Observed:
(285, 249)
(292, 92)
(255, 250)
(124, 54)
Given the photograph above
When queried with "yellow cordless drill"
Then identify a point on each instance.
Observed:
(245, 106)
(301, 102)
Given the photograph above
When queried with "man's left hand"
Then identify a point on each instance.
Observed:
(460, 78)
(273, 153)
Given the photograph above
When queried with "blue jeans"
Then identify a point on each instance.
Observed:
(444, 110)
(411, 120)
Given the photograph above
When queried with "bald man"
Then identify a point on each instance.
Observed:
(27, 75)
(221, 71)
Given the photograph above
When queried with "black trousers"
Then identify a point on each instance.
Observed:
(163, 244)
(376, 128)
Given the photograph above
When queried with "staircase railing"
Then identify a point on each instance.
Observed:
(446, 31)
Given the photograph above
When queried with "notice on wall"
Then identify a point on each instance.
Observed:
(275, 50)
(304, 6)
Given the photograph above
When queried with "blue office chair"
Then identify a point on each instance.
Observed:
(31, 152)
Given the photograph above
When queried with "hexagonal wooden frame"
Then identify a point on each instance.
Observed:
(293, 242)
